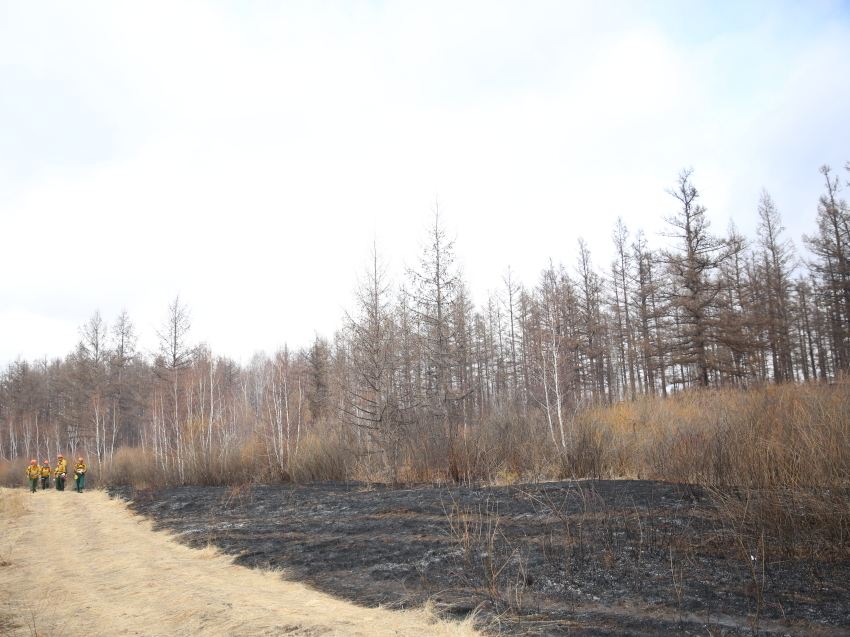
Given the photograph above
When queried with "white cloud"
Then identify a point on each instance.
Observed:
(245, 157)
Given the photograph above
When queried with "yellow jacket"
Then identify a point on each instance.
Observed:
(80, 467)
(45, 471)
(62, 466)
(59, 470)
(33, 471)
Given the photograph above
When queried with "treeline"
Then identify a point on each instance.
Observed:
(420, 384)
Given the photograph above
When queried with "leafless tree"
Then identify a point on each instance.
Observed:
(371, 395)
(692, 261)
(174, 358)
(437, 289)
(831, 267)
(777, 261)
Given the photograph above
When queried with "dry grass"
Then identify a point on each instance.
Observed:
(123, 577)
(790, 435)
(13, 503)
(13, 473)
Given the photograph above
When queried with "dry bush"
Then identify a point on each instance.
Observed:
(485, 557)
(786, 522)
(793, 434)
(224, 465)
(13, 472)
(131, 466)
(506, 449)
(778, 435)
(777, 459)
(13, 504)
(503, 448)
(320, 458)
(142, 469)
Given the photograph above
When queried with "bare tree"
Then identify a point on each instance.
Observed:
(691, 262)
(319, 379)
(621, 278)
(510, 300)
(592, 332)
(437, 287)
(556, 372)
(92, 357)
(371, 395)
(174, 350)
(776, 266)
(123, 354)
(174, 358)
(831, 267)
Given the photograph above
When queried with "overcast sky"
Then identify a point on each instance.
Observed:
(245, 155)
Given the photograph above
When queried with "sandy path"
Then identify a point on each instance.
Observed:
(94, 568)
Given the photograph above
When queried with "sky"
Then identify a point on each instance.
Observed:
(245, 156)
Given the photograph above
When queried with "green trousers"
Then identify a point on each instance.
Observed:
(45, 482)
(60, 483)
(33, 484)
(81, 481)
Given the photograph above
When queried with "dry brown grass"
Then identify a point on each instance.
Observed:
(13, 503)
(13, 473)
(785, 435)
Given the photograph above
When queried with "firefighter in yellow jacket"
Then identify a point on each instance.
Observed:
(59, 472)
(80, 475)
(45, 475)
(33, 473)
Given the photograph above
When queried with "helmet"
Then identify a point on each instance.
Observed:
(47, 462)
(81, 459)
(60, 456)
(33, 461)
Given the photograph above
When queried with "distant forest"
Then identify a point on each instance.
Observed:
(416, 371)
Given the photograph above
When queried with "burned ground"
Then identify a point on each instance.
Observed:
(579, 558)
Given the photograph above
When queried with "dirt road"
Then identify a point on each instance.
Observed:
(82, 564)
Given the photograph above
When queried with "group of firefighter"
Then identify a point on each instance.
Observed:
(41, 474)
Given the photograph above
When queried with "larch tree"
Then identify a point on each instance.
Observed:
(318, 389)
(692, 262)
(831, 267)
(739, 346)
(371, 398)
(123, 354)
(174, 358)
(651, 314)
(592, 325)
(776, 262)
(621, 269)
(92, 356)
(436, 287)
(510, 301)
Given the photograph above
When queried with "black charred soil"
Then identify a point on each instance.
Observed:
(567, 558)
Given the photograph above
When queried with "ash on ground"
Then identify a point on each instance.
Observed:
(568, 558)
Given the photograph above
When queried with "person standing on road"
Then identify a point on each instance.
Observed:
(59, 473)
(33, 473)
(45, 475)
(80, 475)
